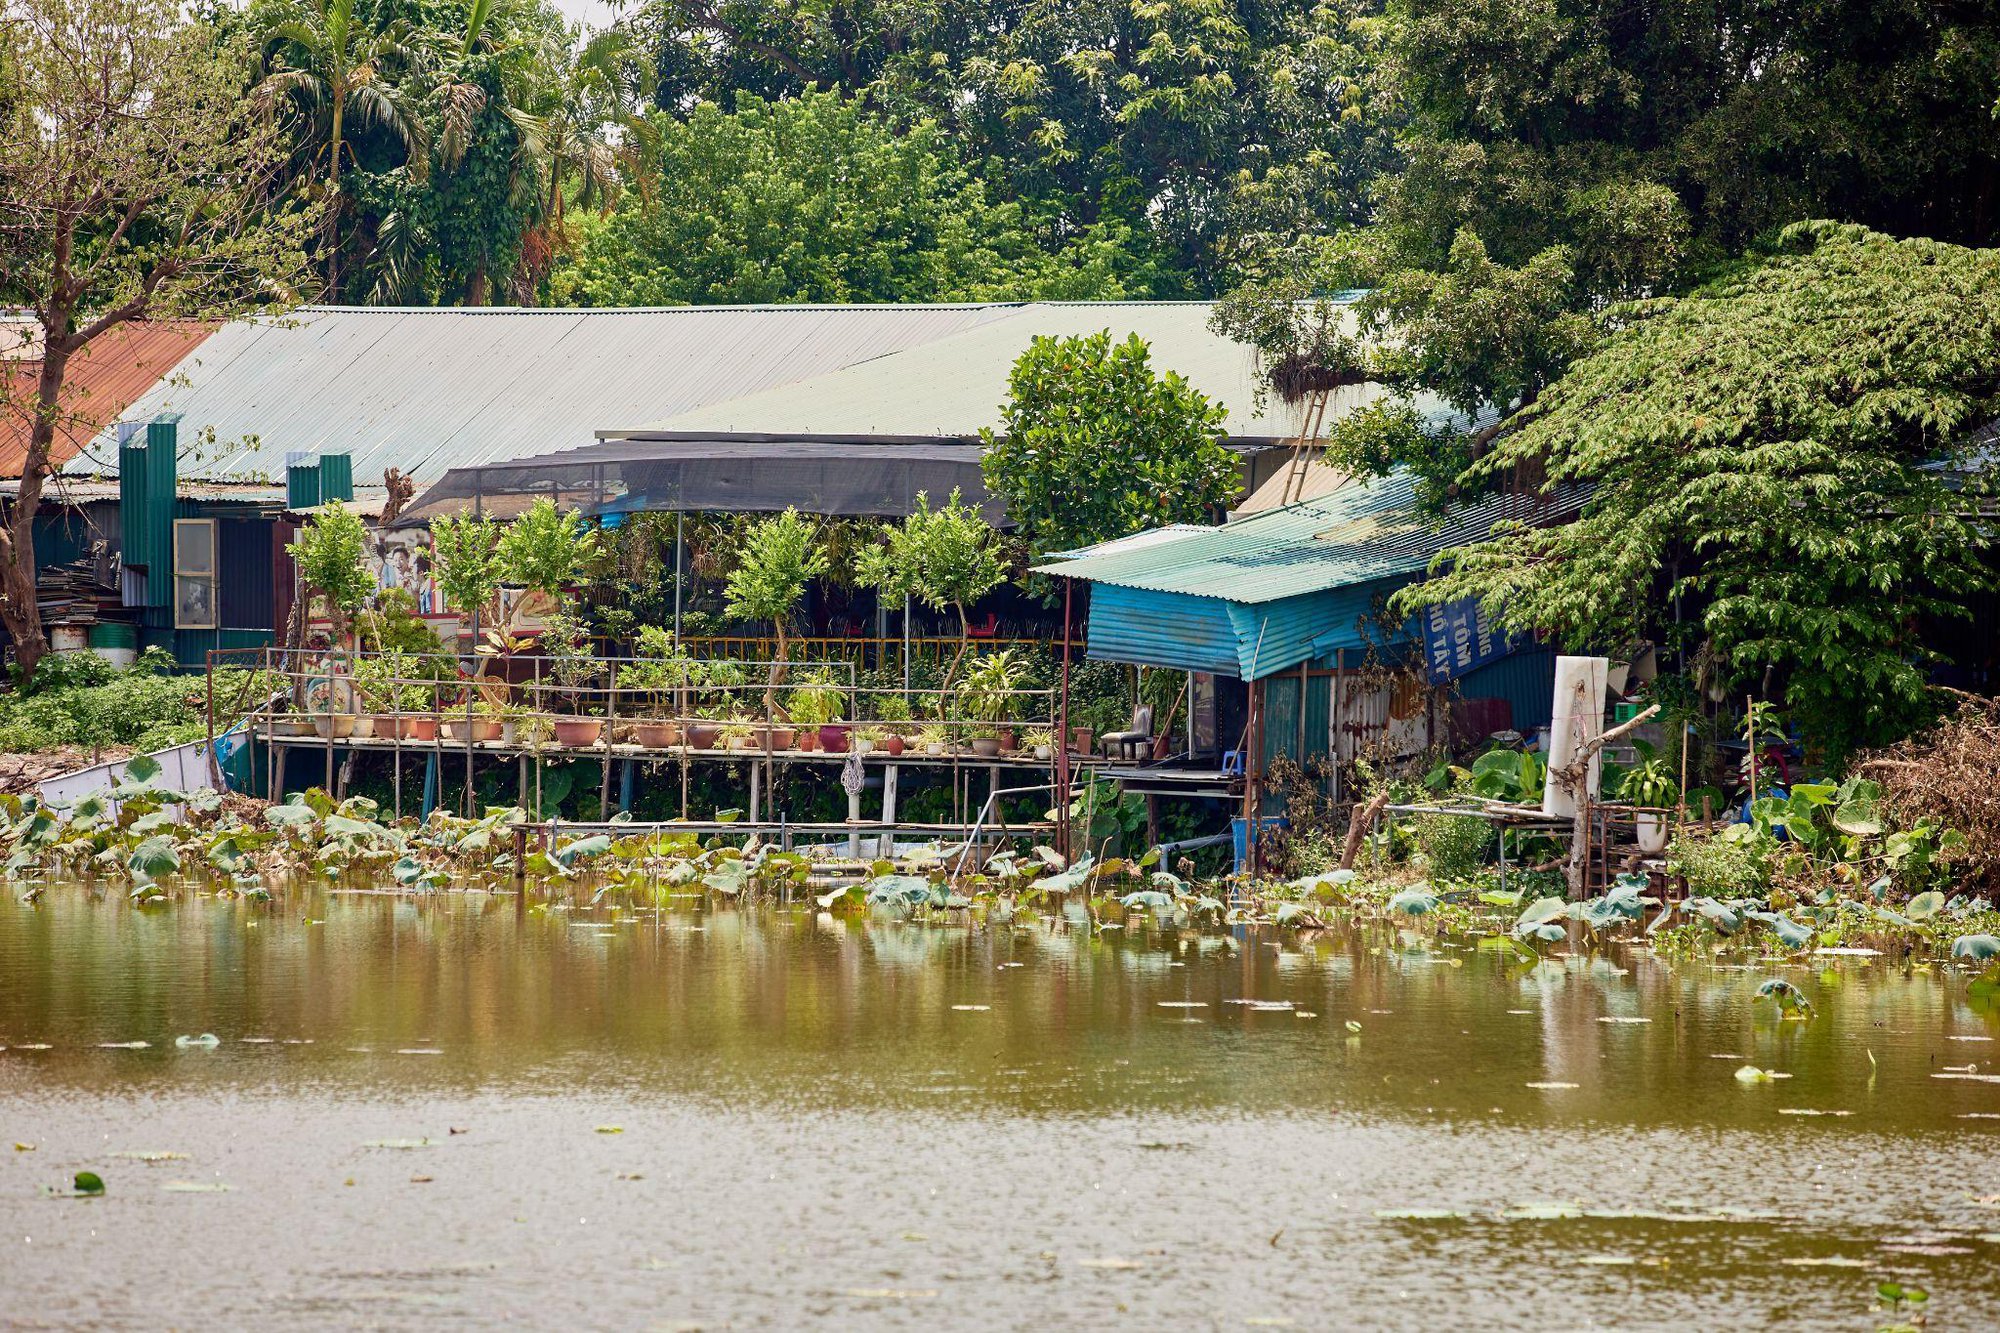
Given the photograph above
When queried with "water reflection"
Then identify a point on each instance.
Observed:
(796, 1092)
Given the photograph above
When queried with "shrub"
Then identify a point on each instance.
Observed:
(1454, 846)
(1720, 867)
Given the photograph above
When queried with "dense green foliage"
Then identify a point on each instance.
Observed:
(80, 700)
(328, 554)
(545, 548)
(1192, 123)
(466, 550)
(816, 198)
(1484, 171)
(1094, 444)
(1757, 450)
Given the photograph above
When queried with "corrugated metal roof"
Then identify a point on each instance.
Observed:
(428, 390)
(1361, 533)
(956, 385)
(102, 380)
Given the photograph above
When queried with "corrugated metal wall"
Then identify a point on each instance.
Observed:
(1527, 681)
(1161, 629)
(245, 594)
(146, 484)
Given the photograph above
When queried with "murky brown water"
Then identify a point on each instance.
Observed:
(817, 1125)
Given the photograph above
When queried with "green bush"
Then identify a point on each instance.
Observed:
(1453, 845)
(1720, 867)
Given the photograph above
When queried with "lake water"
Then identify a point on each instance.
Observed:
(863, 1123)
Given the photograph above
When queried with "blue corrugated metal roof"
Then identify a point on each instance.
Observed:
(1362, 533)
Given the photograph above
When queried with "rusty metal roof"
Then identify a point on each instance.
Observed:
(427, 390)
(111, 373)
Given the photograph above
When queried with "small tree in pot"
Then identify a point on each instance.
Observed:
(780, 556)
(467, 555)
(942, 558)
(544, 548)
(575, 668)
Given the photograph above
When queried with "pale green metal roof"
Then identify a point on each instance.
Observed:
(956, 385)
(1364, 532)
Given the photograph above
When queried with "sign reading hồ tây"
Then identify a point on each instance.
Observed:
(1458, 638)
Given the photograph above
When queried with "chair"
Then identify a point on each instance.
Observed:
(1133, 743)
(984, 629)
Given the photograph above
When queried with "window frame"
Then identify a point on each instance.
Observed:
(208, 576)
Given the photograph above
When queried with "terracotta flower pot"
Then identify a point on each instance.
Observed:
(833, 738)
(405, 727)
(657, 735)
(808, 741)
(701, 735)
(776, 738)
(483, 729)
(894, 744)
(578, 731)
(335, 726)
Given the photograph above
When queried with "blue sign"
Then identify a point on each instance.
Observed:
(1458, 638)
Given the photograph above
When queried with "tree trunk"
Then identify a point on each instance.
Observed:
(19, 611)
(777, 675)
(333, 201)
(951, 672)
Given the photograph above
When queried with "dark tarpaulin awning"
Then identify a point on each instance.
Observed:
(836, 476)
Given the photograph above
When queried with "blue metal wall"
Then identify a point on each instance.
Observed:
(1526, 680)
(1161, 629)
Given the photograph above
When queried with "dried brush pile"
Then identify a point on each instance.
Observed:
(1950, 775)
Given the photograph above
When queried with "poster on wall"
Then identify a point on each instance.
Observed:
(1458, 638)
(403, 561)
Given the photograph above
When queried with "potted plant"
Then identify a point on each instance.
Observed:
(1040, 741)
(465, 555)
(575, 669)
(932, 738)
(984, 740)
(403, 707)
(738, 735)
(868, 739)
(1652, 790)
(991, 686)
(780, 555)
(818, 704)
(543, 549)
(661, 673)
(702, 730)
(949, 557)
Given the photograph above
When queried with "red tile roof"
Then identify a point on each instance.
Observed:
(104, 379)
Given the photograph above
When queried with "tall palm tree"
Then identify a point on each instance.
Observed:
(595, 140)
(331, 64)
(481, 69)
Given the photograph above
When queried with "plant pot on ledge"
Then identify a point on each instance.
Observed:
(657, 735)
(833, 738)
(578, 732)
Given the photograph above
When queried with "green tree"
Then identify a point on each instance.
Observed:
(1188, 123)
(331, 64)
(135, 183)
(1756, 451)
(466, 550)
(945, 557)
(1094, 445)
(329, 556)
(779, 557)
(816, 198)
(545, 548)
(1557, 157)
